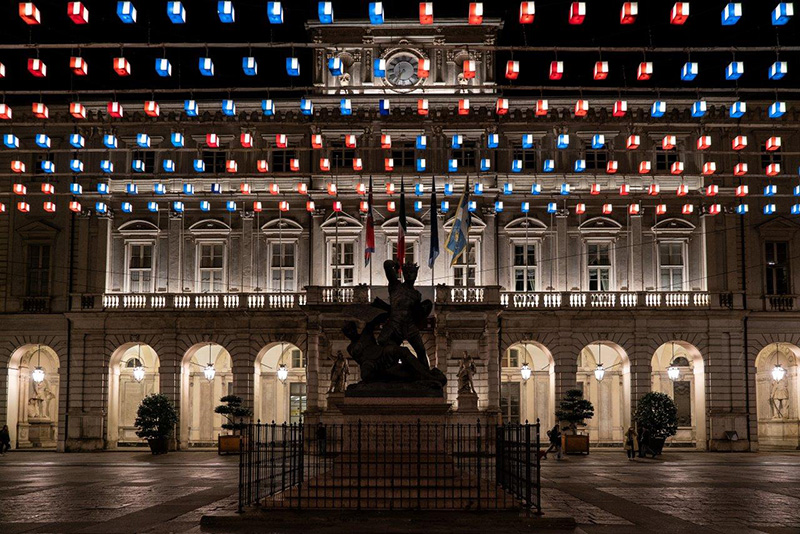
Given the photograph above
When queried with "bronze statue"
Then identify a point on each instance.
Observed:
(387, 367)
(407, 310)
(339, 372)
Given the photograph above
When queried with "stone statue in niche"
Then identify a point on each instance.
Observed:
(466, 371)
(39, 404)
(339, 372)
(779, 399)
(387, 368)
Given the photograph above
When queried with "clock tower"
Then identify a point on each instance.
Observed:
(405, 57)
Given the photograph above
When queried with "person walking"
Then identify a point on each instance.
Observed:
(5, 440)
(555, 441)
(630, 438)
(644, 440)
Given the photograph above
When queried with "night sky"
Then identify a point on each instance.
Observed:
(550, 29)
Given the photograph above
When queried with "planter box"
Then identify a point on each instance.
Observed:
(575, 444)
(229, 444)
(159, 445)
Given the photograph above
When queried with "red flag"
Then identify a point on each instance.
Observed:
(370, 243)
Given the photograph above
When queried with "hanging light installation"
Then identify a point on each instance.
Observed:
(672, 371)
(778, 372)
(138, 371)
(525, 371)
(283, 371)
(208, 371)
(599, 371)
(38, 372)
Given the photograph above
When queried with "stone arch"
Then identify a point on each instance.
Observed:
(537, 393)
(33, 409)
(777, 400)
(274, 400)
(610, 396)
(199, 425)
(688, 390)
(125, 392)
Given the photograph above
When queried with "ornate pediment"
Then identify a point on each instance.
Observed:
(210, 226)
(138, 227)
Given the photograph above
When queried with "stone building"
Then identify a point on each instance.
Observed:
(93, 297)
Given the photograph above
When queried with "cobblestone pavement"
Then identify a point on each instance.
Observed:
(127, 492)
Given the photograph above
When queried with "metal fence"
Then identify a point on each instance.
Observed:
(390, 466)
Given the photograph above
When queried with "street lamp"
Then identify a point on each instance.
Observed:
(208, 371)
(599, 371)
(778, 372)
(138, 371)
(38, 373)
(672, 371)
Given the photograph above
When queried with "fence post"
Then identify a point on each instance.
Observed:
(258, 463)
(479, 463)
(301, 467)
(528, 464)
(419, 465)
(358, 468)
(538, 470)
(241, 473)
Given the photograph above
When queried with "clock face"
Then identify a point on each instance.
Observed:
(402, 70)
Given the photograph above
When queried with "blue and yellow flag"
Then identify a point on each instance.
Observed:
(457, 239)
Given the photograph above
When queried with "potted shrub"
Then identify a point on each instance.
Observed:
(155, 422)
(657, 417)
(232, 410)
(574, 410)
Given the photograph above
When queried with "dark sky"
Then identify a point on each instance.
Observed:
(550, 29)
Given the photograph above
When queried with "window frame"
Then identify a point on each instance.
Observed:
(768, 268)
(129, 244)
(200, 243)
(271, 244)
(332, 266)
(536, 244)
(684, 244)
(474, 244)
(611, 264)
(48, 269)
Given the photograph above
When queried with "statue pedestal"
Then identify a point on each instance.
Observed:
(40, 435)
(394, 409)
(467, 403)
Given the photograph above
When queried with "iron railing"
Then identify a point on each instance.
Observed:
(390, 466)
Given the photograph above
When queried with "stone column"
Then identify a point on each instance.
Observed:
(317, 242)
(174, 272)
(169, 375)
(247, 258)
(312, 365)
(492, 355)
(636, 282)
(490, 268)
(561, 255)
(641, 359)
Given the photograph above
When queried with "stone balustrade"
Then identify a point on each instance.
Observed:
(444, 295)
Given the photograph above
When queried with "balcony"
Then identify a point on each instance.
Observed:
(780, 303)
(191, 302)
(619, 300)
(442, 295)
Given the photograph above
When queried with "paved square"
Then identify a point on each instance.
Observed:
(127, 492)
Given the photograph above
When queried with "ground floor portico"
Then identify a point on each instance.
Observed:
(96, 367)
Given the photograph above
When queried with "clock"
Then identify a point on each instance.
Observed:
(401, 70)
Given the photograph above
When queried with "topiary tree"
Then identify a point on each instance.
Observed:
(657, 413)
(574, 409)
(156, 417)
(232, 410)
